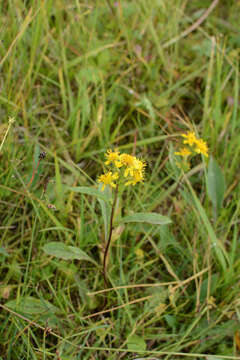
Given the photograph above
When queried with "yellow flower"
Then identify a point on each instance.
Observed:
(133, 169)
(201, 147)
(127, 160)
(108, 179)
(137, 176)
(183, 152)
(136, 166)
(128, 171)
(190, 138)
(194, 146)
(112, 157)
(139, 164)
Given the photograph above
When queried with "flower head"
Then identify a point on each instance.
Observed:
(139, 164)
(201, 147)
(128, 169)
(136, 176)
(185, 152)
(192, 146)
(198, 146)
(135, 170)
(127, 160)
(112, 157)
(190, 138)
(108, 179)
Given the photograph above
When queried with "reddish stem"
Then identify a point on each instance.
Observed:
(109, 238)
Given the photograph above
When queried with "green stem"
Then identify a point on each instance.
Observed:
(109, 238)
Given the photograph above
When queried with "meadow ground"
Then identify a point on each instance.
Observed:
(81, 77)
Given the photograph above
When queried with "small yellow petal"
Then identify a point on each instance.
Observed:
(112, 157)
(183, 152)
(201, 147)
(127, 160)
(107, 179)
(190, 138)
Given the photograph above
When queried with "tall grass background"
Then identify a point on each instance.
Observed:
(80, 77)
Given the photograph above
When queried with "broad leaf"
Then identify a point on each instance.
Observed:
(66, 252)
(218, 246)
(80, 254)
(31, 305)
(150, 218)
(215, 184)
(136, 343)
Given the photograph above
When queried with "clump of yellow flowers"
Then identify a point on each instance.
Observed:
(191, 146)
(122, 169)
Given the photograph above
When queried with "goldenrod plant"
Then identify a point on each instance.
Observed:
(191, 146)
(123, 170)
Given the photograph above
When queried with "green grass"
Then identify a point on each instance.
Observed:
(81, 77)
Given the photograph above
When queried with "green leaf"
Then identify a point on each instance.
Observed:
(136, 343)
(3, 252)
(219, 248)
(80, 254)
(215, 184)
(171, 321)
(150, 218)
(89, 191)
(66, 252)
(31, 305)
(106, 211)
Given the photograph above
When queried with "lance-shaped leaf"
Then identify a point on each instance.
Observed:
(215, 184)
(149, 218)
(65, 252)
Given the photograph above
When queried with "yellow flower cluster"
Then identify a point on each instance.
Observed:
(108, 179)
(194, 146)
(125, 168)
